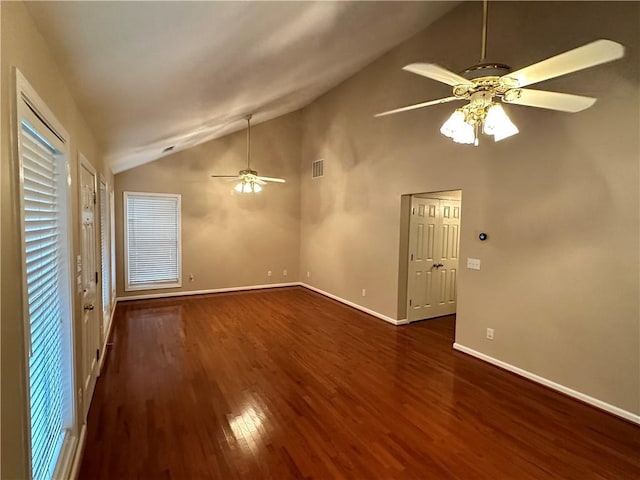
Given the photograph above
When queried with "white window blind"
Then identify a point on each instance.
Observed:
(47, 296)
(105, 251)
(152, 240)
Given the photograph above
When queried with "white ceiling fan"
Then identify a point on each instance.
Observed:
(249, 180)
(484, 83)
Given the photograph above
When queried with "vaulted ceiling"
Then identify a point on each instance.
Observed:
(151, 75)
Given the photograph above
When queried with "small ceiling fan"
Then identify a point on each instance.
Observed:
(249, 180)
(482, 83)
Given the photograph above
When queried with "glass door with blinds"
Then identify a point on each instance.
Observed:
(105, 255)
(46, 292)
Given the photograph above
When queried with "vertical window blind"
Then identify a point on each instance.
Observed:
(47, 295)
(152, 240)
(105, 250)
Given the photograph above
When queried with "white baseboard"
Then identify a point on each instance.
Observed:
(202, 292)
(103, 352)
(390, 320)
(619, 412)
(77, 458)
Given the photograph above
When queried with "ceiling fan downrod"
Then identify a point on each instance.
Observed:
(485, 17)
(248, 117)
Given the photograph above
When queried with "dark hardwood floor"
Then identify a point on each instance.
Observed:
(286, 384)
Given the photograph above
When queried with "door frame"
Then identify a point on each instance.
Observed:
(404, 250)
(27, 100)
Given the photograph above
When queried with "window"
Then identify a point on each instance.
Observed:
(152, 240)
(105, 250)
(47, 290)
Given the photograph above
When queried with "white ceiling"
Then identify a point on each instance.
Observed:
(148, 75)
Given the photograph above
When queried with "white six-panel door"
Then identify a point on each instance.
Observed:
(434, 242)
(89, 277)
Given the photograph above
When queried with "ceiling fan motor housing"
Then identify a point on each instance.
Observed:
(486, 70)
(485, 77)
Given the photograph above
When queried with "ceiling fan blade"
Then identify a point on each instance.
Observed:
(418, 105)
(563, 102)
(224, 176)
(589, 55)
(271, 179)
(438, 73)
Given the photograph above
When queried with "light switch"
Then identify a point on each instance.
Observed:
(473, 263)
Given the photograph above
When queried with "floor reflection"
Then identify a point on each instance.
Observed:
(246, 428)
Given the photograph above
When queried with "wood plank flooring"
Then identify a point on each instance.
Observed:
(286, 383)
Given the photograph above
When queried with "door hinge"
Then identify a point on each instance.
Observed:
(95, 200)
(410, 302)
(413, 210)
(96, 278)
(412, 256)
(98, 354)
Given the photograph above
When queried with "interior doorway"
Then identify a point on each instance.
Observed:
(89, 282)
(432, 254)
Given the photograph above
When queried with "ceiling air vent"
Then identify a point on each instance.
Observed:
(317, 169)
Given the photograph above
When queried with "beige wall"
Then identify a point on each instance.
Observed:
(559, 280)
(229, 239)
(22, 46)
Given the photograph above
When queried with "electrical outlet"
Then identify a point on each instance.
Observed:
(364, 292)
(191, 277)
(269, 273)
(284, 273)
(490, 334)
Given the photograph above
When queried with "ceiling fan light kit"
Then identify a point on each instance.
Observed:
(249, 180)
(484, 83)
(247, 186)
(463, 125)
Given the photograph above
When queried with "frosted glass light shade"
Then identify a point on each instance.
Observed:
(498, 124)
(465, 134)
(457, 129)
(452, 125)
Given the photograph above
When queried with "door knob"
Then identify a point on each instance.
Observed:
(88, 307)
(438, 265)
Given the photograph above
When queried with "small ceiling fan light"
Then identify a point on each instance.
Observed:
(498, 124)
